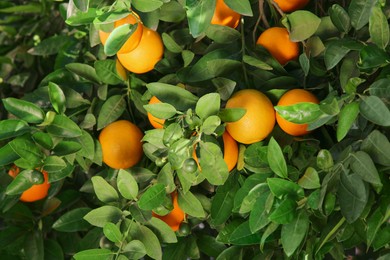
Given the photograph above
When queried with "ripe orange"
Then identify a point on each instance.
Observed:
(120, 70)
(291, 5)
(259, 119)
(175, 217)
(277, 41)
(223, 15)
(121, 144)
(35, 192)
(292, 97)
(149, 51)
(230, 150)
(154, 121)
(133, 41)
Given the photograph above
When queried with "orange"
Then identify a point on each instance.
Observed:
(121, 144)
(291, 5)
(35, 192)
(175, 217)
(223, 15)
(120, 70)
(154, 121)
(259, 118)
(133, 41)
(230, 150)
(292, 97)
(277, 41)
(149, 51)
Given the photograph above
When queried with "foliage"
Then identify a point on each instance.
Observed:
(308, 197)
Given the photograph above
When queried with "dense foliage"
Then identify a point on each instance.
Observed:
(321, 195)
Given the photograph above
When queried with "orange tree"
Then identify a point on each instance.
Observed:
(321, 195)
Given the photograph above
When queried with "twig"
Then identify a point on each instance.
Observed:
(277, 7)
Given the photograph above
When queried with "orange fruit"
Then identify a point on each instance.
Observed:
(291, 5)
(259, 118)
(292, 97)
(230, 150)
(149, 51)
(223, 15)
(133, 41)
(277, 41)
(154, 121)
(175, 217)
(120, 70)
(35, 192)
(121, 144)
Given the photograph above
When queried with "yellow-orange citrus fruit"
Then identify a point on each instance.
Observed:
(154, 121)
(121, 144)
(120, 70)
(292, 97)
(149, 51)
(35, 192)
(175, 217)
(277, 41)
(291, 5)
(133, 41)
(259, 118)
(230, 150)
(223, 15)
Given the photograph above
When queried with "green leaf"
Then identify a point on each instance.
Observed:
(139, 215)
(310, 180)
(347, 117)
(190, 204)
(380, 88)
(283, 188)
(242, 235)
(170, 43)
(106, 69)
(208, 105)
(250, 199)
(213, 167)
(199, 14)
(231, 114)
(210, 125)
(256, 63)
(53, 250)
(363, 165)
(153, 197)
(53, 163)
(66, 148)
(63, 126)
(135, 249)
(161, 110)
(359, 11)
(57, 98)
(84, 70)
(303, 24)
(374, 110)
(180, 98)
(43, 139)
(23, 181)
(208, 245)
(242, 7)
(372, 57)
(111, 110)
(377, 146)
(340, 18)
(118, 38)
(163, 231)
(172, 12)
(374, 222)
(27, 150)
(103, 190)
(112, 232)
(337, 49)
(7, 155)
(33, 244)
(82, 18)
(27, 8)
(24, 110)
(300, 113)
(81, 4)
(379, 27)
(49, 46)
(94, 254)
(222, 34)
(324, 160)
(285, 212)
(12, 128)
(87, 145)
(148, 238)
(72, 221)
(127, 185)
(276, 160)
(258, 217)
(293, 233)
(147, 5)
(102, 215)
(352, 196)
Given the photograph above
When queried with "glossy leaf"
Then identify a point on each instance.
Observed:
(93, 254)
(347, 117)
(147, 5)
(24, 110)
(103, 190)
(127, 185)
(53, 163)
(102, 215)
(27, 150)
(324, 160)
(199, 14)
(300, 113)
(153, 197)
(161, 110)
(276, 159)
(62, 126)
(282, 188)
(208, 105)
(285, 212)
(293, 233)
(12, 128)
(84, 70)
(57, 98)
(118, 38)
(72, 221)
(111, 110)
(112, 232)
